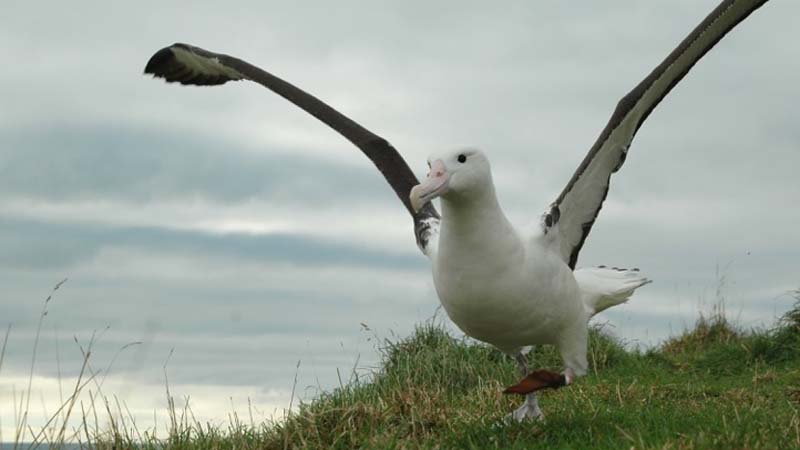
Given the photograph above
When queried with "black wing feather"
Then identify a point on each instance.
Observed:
(187, 64)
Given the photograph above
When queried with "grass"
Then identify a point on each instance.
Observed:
(714, 386)
(711, 387)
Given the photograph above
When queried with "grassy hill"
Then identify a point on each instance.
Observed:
(712, 387)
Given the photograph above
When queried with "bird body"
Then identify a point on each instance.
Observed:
(526, 296)
(499, 284)
(506, 287)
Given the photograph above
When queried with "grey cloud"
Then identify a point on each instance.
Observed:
(37, 245)
(111, 161)
(231, 331)
(267, 359)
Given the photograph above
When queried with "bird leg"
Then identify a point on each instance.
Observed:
(522, 363)
(529, 409)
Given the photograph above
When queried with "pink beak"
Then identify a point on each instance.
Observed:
(435, 185)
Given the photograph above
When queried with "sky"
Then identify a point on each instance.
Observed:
(223, 243)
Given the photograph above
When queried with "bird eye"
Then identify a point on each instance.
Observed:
(462, 158)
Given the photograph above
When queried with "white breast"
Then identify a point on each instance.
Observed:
(504, 291)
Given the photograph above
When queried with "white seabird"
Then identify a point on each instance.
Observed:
(510, 287)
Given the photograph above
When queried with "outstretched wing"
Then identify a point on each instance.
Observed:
(187, 64)
(572, 215)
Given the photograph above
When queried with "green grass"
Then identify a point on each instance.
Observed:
(711, 387)
(715, 386)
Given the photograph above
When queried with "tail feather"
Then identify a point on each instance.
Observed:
(604, 287)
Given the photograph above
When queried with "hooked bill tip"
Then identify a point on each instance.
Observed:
(414, 197)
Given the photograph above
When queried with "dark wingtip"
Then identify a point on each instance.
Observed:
(165, 64)
(160, 59)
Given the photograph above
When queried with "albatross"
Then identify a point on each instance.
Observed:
(512, 287)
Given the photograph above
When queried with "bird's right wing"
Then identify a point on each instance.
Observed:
(187, 64)
(571, 216)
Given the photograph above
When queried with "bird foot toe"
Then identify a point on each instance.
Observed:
(527, 412)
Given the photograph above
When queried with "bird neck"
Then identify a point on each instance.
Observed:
(476, 225)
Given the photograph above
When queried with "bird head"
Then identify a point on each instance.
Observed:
(460, 174)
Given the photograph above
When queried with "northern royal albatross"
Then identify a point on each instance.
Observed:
(507, 286)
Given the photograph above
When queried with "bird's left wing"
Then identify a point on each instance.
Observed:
(187, 64)
(571, 216)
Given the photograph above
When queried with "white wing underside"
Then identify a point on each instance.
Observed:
(572, 215)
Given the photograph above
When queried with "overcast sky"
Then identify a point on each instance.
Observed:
(228, 225)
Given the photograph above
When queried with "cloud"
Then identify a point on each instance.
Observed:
(45, 245)
(114, 162)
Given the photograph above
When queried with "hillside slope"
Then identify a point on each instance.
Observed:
(711, 387)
